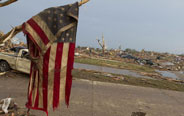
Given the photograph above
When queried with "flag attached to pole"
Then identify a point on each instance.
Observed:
(51, 37)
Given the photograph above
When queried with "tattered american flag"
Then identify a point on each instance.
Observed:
(51, 37)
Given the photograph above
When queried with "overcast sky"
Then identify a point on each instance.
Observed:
(154, 25)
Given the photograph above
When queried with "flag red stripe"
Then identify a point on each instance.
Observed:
(30, 97)
(69, 72)
(30, 76)
(29, 100)
(39, 31)
(34, 52)
(45, 78)
(37, 96)
(58, 60)
(29, 36)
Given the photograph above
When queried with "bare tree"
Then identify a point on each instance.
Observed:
(102, 44)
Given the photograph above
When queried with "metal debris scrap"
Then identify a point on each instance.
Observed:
(8, 107)
(7, 104)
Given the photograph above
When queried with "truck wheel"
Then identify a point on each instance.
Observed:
(4, 66)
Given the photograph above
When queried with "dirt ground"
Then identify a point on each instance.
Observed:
(92, 98)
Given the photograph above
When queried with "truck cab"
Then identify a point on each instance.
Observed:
(23, 62)
(18, 61)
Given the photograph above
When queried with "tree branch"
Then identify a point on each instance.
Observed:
(18, 29)
(10, 34)
(83, 2)
(7, 3)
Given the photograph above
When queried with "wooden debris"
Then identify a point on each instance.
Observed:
(1, 33)
(2, 73)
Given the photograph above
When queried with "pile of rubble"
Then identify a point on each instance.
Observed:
(161, 61)
(1, 33)
(9, 44)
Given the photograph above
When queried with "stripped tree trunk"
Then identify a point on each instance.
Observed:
(102, 44)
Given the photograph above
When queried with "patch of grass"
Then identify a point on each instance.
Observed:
(115, 64)
(99, 76)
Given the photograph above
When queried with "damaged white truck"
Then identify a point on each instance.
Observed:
(17, 61)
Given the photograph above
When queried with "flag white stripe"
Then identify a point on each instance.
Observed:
(51, 74)
(63, 71)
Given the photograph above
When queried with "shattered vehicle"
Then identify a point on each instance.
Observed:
(17, 61)
(145, 62)
(17, 49)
